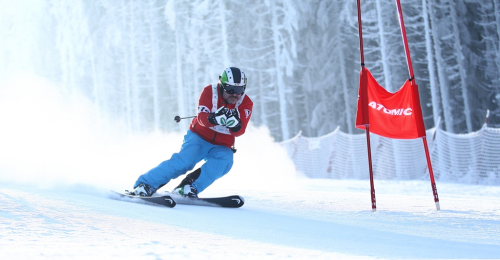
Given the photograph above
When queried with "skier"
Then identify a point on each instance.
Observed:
(223, 114)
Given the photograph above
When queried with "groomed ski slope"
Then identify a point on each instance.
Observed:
(325, 219)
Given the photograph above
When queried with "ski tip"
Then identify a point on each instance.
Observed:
(239, 200)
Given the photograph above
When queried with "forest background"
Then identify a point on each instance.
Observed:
(147, 61)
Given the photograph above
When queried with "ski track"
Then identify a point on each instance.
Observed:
(310, 224)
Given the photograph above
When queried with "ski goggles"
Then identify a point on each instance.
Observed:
(230, 89)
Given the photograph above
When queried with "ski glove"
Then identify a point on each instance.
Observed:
(219, 117)
(233, 121)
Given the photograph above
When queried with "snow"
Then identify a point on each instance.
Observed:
(324, 219)
(60, 159)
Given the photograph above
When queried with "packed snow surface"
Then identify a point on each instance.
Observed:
(324, 219)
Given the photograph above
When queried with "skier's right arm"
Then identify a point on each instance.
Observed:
(204, 105)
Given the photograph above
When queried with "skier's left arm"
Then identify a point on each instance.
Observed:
(243, 114)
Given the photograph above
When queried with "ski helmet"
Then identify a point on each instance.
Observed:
(233, 80)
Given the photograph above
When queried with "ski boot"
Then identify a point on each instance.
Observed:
(186, 191)
(142, 190)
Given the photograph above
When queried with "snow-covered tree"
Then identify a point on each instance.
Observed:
(147, 60)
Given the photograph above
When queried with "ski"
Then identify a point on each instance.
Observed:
(233, 201)
(164, 200)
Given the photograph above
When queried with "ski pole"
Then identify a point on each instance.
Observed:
(178, 118)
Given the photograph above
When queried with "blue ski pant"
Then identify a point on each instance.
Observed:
(218, 161)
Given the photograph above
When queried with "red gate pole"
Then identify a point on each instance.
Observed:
(367, 127)
(412, 80)
(372, 187)
(360, 33)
